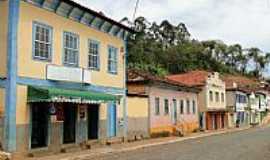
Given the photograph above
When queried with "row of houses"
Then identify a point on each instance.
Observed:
(197, 100)
(64, 84)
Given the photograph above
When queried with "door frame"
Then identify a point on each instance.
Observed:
(30, 127)
(76, 124)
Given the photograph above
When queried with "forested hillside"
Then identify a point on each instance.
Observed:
(168, 49)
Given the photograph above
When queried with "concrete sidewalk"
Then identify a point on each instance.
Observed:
(125, 147)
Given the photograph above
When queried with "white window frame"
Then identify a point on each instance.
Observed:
(211, 97)
(91, 41)
(73, 35)
(113, 60)
(222, 97)
(217, 97)
(50, 43)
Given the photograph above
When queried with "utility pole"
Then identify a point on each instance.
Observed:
(135, 10)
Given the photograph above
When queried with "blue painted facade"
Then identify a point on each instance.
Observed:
(112, 120)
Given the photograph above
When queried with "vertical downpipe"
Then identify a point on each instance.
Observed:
(11, 95)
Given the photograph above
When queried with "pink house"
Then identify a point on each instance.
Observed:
(172, 106)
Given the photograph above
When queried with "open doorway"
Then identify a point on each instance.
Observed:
(93, 117)
(70, 112)
(40, 119)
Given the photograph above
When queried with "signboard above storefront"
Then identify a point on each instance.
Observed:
(69, 74)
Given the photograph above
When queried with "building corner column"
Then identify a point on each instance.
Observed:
(11, 92)
(125, 88)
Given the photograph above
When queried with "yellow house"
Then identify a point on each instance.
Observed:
(62, 75)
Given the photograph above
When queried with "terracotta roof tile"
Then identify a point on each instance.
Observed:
(240, 81)
(140, 76)
(192, 78)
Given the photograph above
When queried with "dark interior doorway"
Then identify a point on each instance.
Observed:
(40, 118)
(222, 121)
(70, 112)
(93, 117)
(215, 122)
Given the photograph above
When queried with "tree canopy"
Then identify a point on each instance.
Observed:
(169, 49)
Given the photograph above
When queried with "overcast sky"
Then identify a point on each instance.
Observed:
(234, 21)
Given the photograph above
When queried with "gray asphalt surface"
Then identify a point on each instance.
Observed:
(252, 144)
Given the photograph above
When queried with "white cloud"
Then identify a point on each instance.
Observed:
(234, 21)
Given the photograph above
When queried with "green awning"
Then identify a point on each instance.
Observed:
(42, 94)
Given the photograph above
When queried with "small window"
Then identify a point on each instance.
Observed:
(42, 41)
(157, 112)
(222, 97)
(237, 98)
(181, 107)
(166, 106)
(71, 49)
(194, 107)
(188, 107)
(240, 98)
(217, 97)
(112, 60)
(93, 55)
(211, 95)
(175, 105)
(245, 99)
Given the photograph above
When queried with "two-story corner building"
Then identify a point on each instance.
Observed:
(171, 107)
(254, 108)
(246, 104)
(262, 104)
(238, 108)
(257, 105)
(62, 75)
(266, 113)
(211, 100)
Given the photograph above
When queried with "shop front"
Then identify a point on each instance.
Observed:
(216, 120)
(61, 118)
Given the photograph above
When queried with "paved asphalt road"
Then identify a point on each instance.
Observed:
(252, 144)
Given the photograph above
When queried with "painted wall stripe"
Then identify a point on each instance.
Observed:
(70, 85)
(11, 95)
